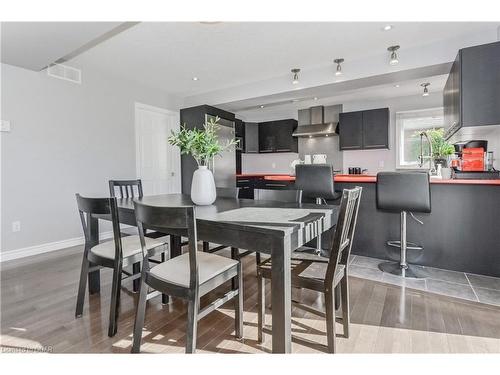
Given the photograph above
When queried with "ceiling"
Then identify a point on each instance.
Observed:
(380, 92)
(35, 45)
(167, 55)
(242, 65)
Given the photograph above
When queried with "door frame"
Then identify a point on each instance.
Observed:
(141, 106)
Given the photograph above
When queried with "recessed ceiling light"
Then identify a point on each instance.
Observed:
(338, 71)
(326, 135)
(396, 86)
(387, 27)
(261, 106)
(195, 78)
(394, 55)
(295, 72)
(426, 90)
(315, 98)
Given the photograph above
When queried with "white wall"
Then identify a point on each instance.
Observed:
(65, 138)
(268, 163)
(385, 160)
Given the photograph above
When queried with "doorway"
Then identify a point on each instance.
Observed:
(158, 163)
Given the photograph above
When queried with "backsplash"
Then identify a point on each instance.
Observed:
(275, 163)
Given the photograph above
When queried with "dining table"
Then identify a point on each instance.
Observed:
(268, 227)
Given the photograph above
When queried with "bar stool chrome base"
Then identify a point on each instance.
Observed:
(397, 269)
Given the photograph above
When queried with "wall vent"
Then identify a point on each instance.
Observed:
(65, 72)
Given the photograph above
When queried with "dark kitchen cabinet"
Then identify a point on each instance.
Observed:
(267, 137)
(251, 138)
(351, 130)
(471, 95)
(364, 130)
(247, 184)
(376, 128)
(285, 142)
(276, 136)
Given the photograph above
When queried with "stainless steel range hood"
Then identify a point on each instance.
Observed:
(317, 126)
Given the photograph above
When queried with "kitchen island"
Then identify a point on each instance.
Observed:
(462, 232)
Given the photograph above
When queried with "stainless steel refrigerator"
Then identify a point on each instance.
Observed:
(224, 166)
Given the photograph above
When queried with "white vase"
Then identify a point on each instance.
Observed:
(203, 187)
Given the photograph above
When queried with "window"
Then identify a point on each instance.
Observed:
(409, 125)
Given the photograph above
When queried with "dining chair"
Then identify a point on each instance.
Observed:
(116, 254)
(322, 275)
(188, 276)
(126, 188)
(130, 189)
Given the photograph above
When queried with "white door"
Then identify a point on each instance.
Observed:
(157, 162)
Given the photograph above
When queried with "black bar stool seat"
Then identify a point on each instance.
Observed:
(403, 192)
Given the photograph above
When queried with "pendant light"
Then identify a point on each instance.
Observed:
(426, 90)
(338, 72)
(295, 73)
(394, 55)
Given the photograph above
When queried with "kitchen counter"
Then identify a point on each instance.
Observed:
(373, 179)
(461, 233)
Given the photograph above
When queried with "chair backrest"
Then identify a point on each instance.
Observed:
(404, 191)
(289, 196)
(163, 219)
(315, 180)
(344, 231)
(228, 192)
(99, 207)
(126, 188)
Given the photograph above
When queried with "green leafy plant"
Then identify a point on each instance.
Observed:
(202, 144)
(440, 148)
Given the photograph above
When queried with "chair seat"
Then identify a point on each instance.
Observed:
(176, 270)
(311, 272)
(131, 245)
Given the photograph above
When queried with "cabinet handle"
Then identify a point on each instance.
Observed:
(242, 180)
(280, 185)
(375, 146)
(283, 149)
(344, 147)
(266, 150)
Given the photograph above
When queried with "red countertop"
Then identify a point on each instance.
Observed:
(368, 178)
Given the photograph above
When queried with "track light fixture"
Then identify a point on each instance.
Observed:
(295, 73)
(338, 71)
(426, 90)
(394, 55)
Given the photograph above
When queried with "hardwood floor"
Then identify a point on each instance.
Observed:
(38, 297)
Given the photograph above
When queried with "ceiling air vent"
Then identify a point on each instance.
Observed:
(65, 72)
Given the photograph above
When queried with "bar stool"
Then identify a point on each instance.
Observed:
(403, 192)
(316, 182)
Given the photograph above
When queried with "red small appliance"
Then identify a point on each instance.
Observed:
(472, 159)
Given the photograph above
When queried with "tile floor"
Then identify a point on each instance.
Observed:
(484, 289)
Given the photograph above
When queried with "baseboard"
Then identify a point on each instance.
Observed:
(47, 247)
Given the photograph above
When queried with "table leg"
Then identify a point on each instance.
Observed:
(94, 276)
(281, 298)
(175, 246)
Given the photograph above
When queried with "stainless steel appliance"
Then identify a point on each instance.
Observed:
(224, 166)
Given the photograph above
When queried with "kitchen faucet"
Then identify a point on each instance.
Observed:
(422, 158)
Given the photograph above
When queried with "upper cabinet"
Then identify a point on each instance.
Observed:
(270, 136)
(251, 138)
(363, 130)
(471, 95)
(351, 130)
